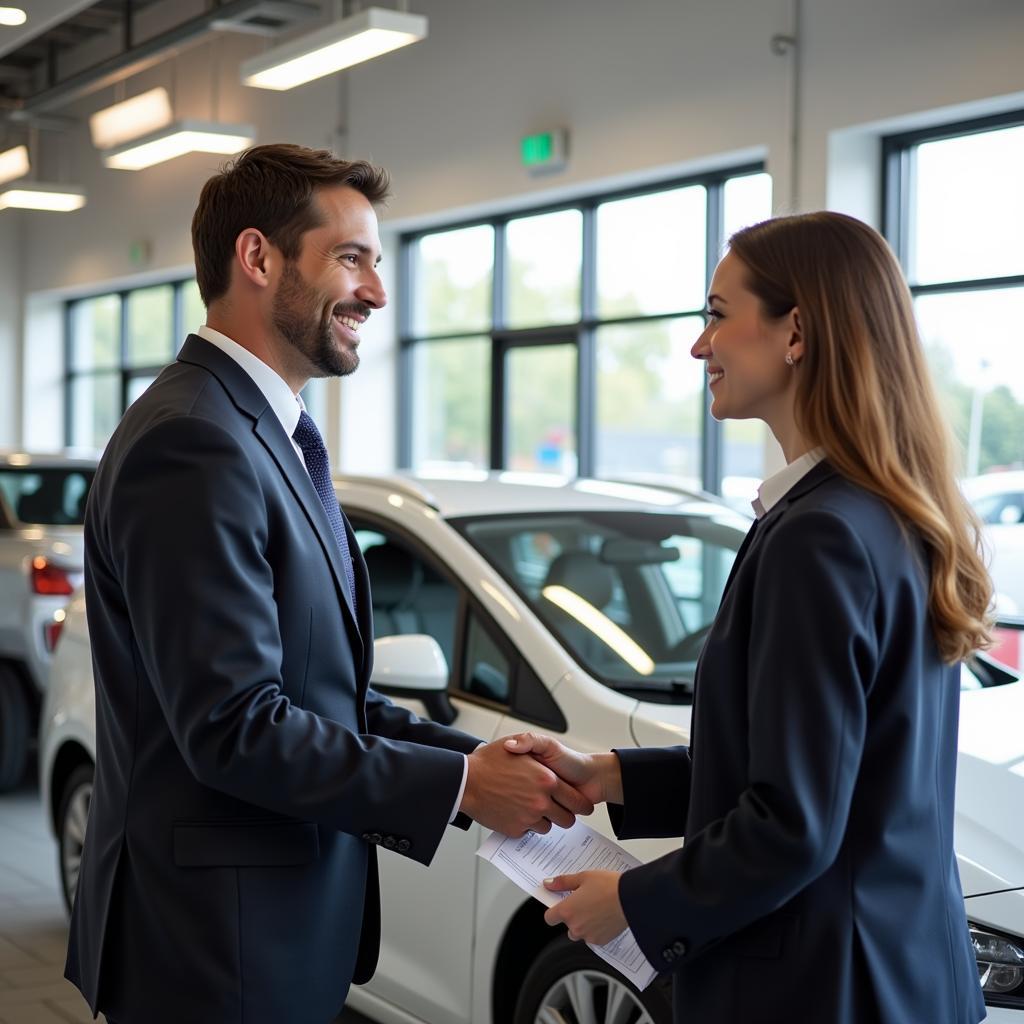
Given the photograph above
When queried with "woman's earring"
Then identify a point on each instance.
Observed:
(789, 359)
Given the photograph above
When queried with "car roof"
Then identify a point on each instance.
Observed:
(998, 482)
(10, 459)
(493, 493)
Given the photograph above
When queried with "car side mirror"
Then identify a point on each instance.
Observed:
(413, 666)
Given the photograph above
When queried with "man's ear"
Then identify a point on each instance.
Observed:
(796, 335)
(253, 256)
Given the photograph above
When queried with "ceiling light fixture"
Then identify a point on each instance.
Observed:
(178, 139)
(339, 45)
(35, 195)
(131, 118)
(12, 16)
(14, 163)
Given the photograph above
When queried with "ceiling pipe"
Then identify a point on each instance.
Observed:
(151, 52)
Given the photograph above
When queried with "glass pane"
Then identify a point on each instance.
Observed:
(664, 234)
(48, 497)
(542, 409)
(650, 401)
(95, 408)
(193, 312)
(451, 403)
(593, 580)
(743, 460)
(454, 270)
(150, 320)
(487, 671)
(746, 200)
(975, 345)
(967, 207)
(96, 332)
(544, 258)
(137, 385)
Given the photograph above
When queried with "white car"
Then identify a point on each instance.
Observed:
(579, 608)
(998, 498)
(42, 505)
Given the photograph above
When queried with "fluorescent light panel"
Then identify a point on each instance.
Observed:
(14, 163)
(12, 16)
(339, 45)
(176, 140)
(140, 115)
(35, 195)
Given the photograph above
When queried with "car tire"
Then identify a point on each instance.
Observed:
(14, 729)
(72, 820)
(567, 982)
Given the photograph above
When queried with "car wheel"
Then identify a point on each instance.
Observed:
(14, 729)
(72, 820)
(568, 984)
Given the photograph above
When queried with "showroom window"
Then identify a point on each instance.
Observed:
(558, 339)
(117, 343)
(955, 216)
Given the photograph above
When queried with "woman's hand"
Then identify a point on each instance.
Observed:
(592, 912)
(597, 776)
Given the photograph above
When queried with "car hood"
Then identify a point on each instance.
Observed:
(989, 831)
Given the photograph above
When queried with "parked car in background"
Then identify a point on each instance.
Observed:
(998, 498)
(42, 507)
(578, 608)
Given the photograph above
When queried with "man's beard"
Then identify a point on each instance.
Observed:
(294, 315)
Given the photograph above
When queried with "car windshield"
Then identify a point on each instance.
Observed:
(630, 595)
(51, 496)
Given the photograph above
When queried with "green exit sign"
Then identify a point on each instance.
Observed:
(545, 151)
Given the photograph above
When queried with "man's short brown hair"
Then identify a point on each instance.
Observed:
(271, 188)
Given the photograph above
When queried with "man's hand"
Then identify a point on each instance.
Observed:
(514, 795)
(597, 776)
(592, 912)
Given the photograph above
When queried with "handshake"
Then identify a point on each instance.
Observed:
(529, 781)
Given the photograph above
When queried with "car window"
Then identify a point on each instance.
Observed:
(46, 497)
(629, 595)
(408, 595)
(486, 672)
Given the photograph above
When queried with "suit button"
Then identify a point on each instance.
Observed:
(679, 948)
(668, 956)
(389, 842)
(366, 837)
(374, 837)
(403, 845)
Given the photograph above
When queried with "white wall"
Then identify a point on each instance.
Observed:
(646, 88)
(11, 291)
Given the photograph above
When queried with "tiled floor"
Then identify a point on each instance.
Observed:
(33, 928)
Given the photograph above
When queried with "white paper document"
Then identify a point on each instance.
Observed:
(532, 858)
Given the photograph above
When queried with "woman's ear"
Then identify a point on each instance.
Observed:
(795, 348)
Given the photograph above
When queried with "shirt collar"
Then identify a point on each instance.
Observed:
(287, 407)
(776, 487)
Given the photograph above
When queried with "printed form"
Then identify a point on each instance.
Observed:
(532, 858)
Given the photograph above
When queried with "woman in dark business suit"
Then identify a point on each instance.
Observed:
(817, 882)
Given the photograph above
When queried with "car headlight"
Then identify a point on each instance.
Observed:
(1000, 967)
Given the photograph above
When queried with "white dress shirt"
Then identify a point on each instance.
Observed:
(287, 407)
(777, 486)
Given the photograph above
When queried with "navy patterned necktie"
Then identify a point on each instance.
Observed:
(308, 438)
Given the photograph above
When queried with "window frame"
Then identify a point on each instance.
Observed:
(898, 156)
(123, 368)
(581, 333)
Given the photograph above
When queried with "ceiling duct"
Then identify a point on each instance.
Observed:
(264, 17)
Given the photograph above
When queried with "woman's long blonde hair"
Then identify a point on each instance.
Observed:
(865, 394)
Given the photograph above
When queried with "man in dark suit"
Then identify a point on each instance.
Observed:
(244, 771)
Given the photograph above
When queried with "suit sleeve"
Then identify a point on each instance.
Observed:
(812, 657)
(203, 611)
(655, 793)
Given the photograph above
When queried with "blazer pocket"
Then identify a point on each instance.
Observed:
(766, 939)
(245, 845)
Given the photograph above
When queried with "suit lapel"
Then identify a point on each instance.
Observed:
(251, 401)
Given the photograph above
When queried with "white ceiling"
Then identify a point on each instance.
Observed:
(42, 14)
